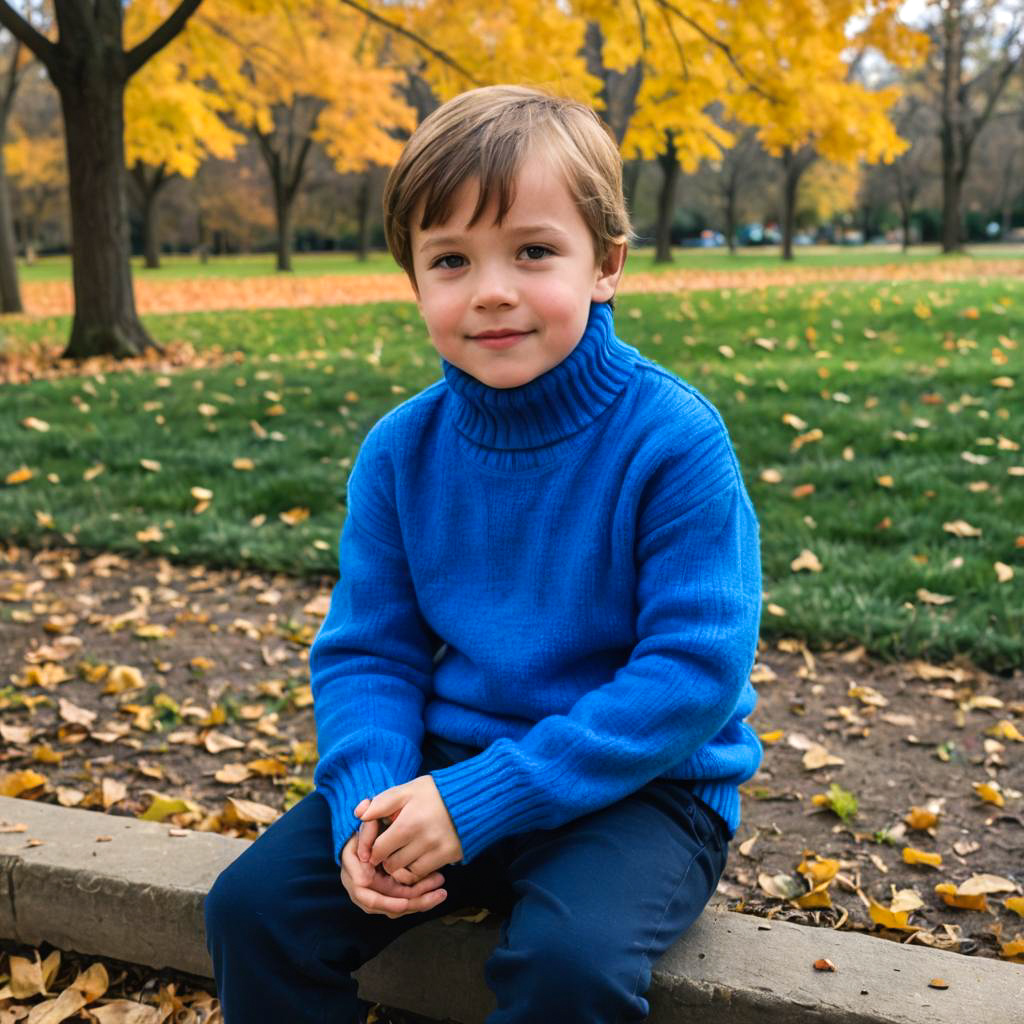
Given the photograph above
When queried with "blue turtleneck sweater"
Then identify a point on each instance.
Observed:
(563, 575)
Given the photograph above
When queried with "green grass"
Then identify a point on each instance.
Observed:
(898, 379)
(641, 260)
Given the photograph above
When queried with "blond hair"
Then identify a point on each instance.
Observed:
(486, 134)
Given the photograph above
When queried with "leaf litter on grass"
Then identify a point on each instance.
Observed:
(181, 694)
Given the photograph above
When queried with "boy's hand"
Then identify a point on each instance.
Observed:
(419, 841)
(375, 892)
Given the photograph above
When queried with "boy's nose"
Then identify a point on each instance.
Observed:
(493, 289)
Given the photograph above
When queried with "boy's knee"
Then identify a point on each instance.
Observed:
(233, 903)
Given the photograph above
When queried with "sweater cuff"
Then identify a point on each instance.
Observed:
(343, 786)
(489, 797)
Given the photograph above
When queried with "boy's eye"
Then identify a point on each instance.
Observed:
(440, 262)
(535, 252)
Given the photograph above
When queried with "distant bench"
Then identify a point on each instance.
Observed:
(139, 898)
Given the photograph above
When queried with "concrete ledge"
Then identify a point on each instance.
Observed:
(138, 897)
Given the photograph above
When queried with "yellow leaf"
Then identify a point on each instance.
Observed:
(201, 494)
(16, 783)
(151, 465)
(150, 535)
(890, 919)
(817, 897)
(1005, 730)
(1016, 904)
(164, 806)
(927, 597)
(243, 464)
(151, 631)
(884, 481)
(31, 423)
(1002, 382)
(988, 792)
(93, 471)
(123, 677)
(819, 871)
(806, 560)
(1015, 947)
(294, 516)
(19, 476)
(961, 528)
(914, 856)
(267, 766)
(949, 896)
(771, 737)
(921, 818)
(1004, 572)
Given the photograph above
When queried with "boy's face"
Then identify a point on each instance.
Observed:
(535, 275)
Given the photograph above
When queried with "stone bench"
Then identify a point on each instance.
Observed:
(138, 897)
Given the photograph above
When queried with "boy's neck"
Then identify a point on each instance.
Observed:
(552, 406)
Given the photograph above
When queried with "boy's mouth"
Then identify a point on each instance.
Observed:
(499, 339)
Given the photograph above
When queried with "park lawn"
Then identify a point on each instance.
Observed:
(915, 390)
(641, 260)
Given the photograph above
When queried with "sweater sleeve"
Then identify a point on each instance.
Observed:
(371, 663)
(698, 610)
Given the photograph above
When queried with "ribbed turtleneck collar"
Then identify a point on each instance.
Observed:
(552, 406)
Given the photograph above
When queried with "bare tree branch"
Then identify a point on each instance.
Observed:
(418, 40)
(31, 37)
(718, 44)
(160, 37)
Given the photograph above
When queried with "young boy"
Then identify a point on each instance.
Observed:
(530, 687)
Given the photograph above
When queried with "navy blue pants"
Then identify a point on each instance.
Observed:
(589, 907)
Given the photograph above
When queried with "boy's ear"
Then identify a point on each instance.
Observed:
(609, 272)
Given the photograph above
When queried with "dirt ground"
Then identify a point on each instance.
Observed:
(123, 682)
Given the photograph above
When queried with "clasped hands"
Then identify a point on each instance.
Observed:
(391, 868)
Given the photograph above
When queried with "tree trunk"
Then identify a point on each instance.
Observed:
(951, 209)
(10, 293)
(731, 190)
(905, 217)
(790, 180)
(105, 321)
(149, 190)
(204, 243)
(950, 131)
(283, 206)
(363, 214)
(666, 201)
(630, 181)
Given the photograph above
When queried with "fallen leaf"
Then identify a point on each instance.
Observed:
(819, 757)
(989, 792)
(887, 918)
(920, 818)
(938, 983)
(950, 897)
(806, 560)
(905, 901)
(984, 885)
(961, 528)
(19, 476)
(780, 887)
(824, 965)
(915, 856)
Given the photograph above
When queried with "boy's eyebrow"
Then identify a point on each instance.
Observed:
(525, 229)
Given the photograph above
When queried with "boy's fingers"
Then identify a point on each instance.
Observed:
(367, 834)
(375, 902)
